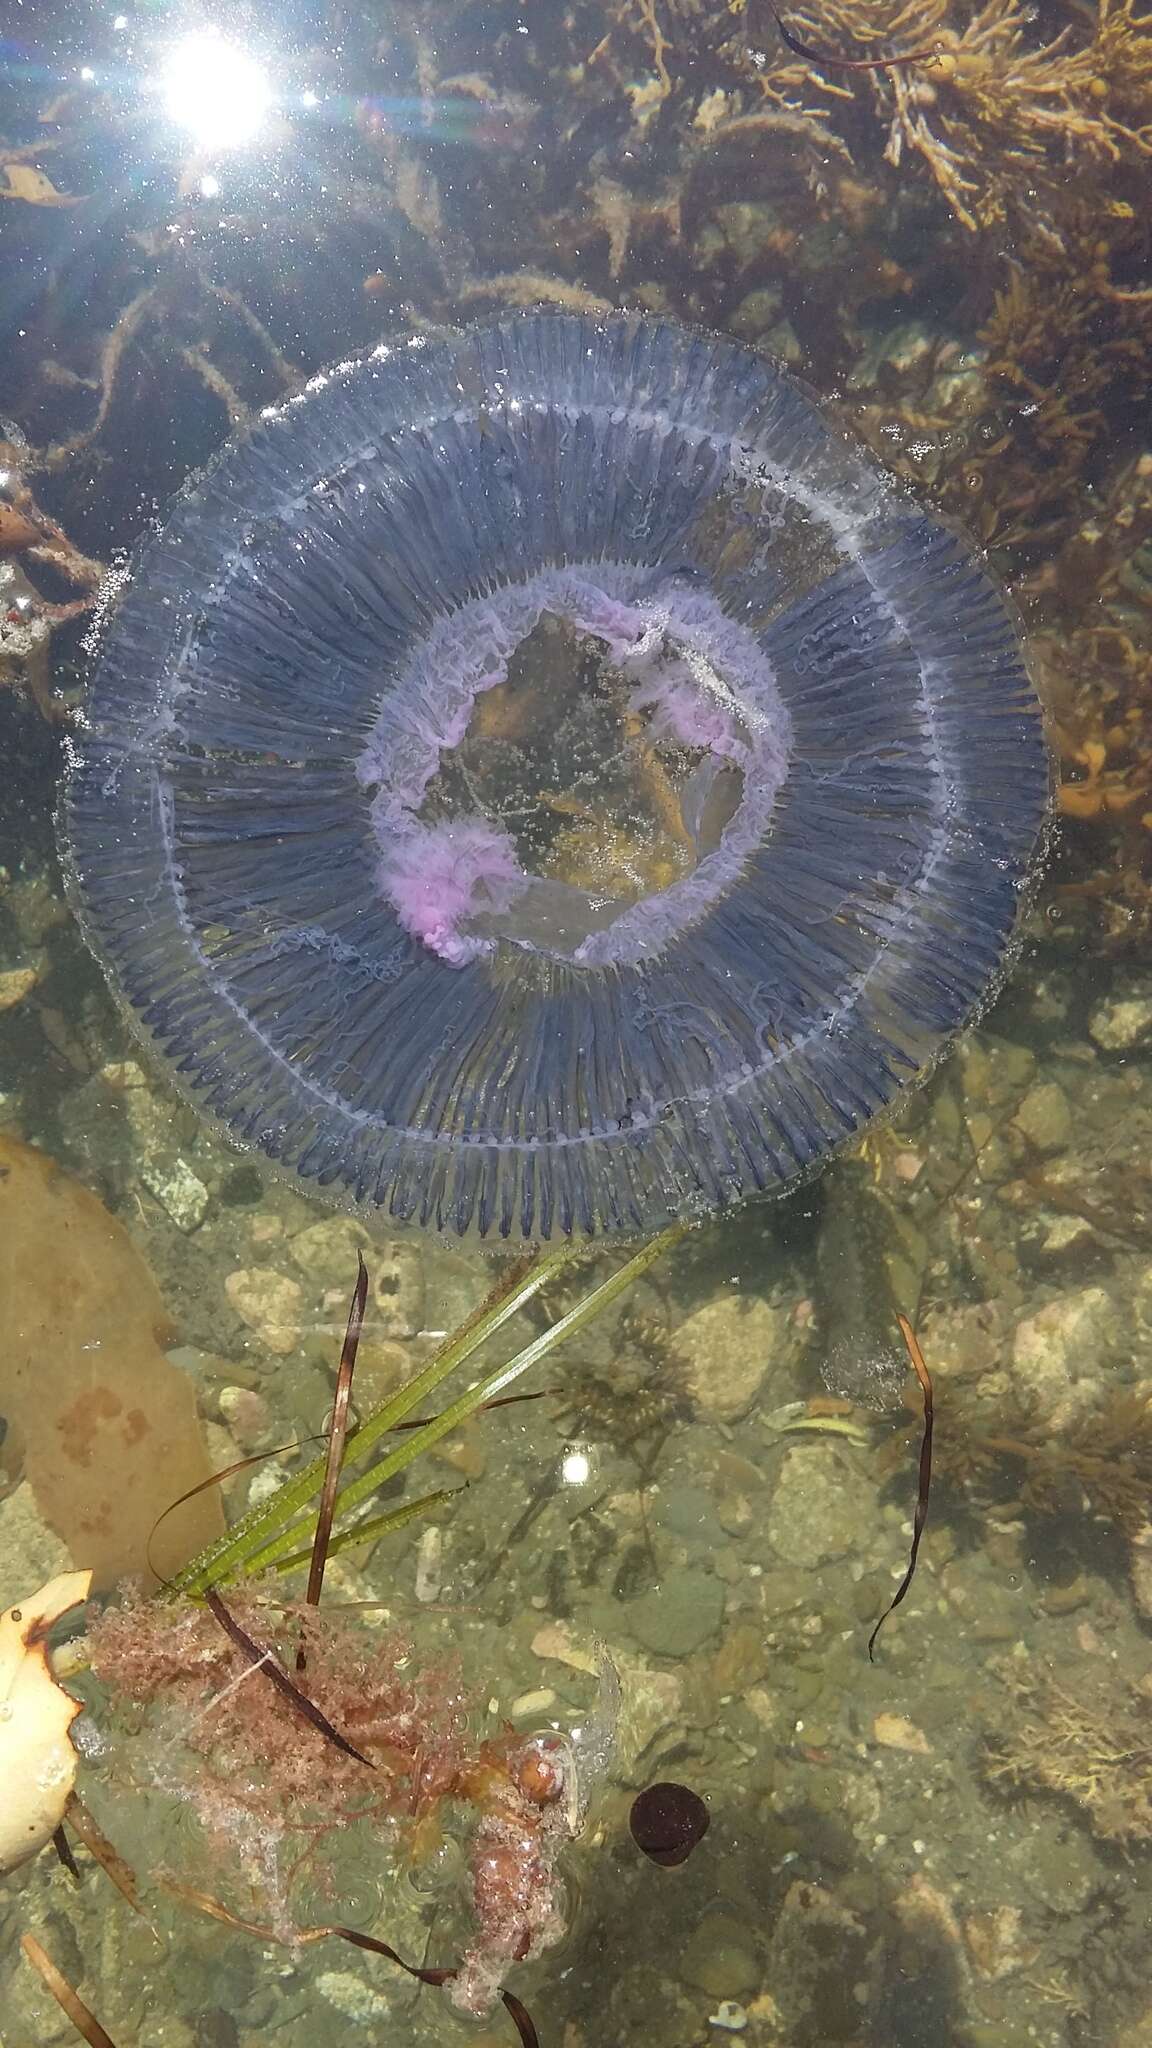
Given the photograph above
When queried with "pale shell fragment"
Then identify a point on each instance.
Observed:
(37, 1760)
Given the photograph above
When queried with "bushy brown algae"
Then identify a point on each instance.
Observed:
(1084, 1737)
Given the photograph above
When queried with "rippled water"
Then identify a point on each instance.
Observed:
(684, 1541)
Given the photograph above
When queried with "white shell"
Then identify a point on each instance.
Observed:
(37, 1760)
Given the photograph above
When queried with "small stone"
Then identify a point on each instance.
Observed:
(123, 1074)
(730, 1347)
(1045, 1118)
(531, 1703)
(821, 1509)
(996, 1943)
(1069, 1243)
(380, 1370)
(466, 1454)
(1122, 1022)
(352, 1998)
(651, 1705)
(397, 1276)
(674, 1618)
(720, 1957)
(15, 985)
(177, 1189)
(269, 1303)
(556, 1642)
(730, 2016)
(741, 1658)
(430, 1565)
(1059, 1354)
(892, 1731)
(326, 1252)
(30, 1553)
(247, 1416)
(756, 313)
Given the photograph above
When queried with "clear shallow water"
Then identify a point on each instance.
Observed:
(947, 1846)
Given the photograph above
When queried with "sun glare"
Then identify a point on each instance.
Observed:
(215, 90)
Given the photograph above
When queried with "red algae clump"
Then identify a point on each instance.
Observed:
(231, 1734)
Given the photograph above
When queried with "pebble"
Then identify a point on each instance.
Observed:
(892, 1731)
(1044, 1117)
(430, 1565)
(15, 985)
(651, 1704)
(821, 1509)
(397, 1275)
(269, 1303)
(247, 1416)
(1059, 1354)
(178, 1190)
(730, 2016)
(674, 1618)
(730, 1346)
(720, 1957)
(326, 1252)
(352, 1998)
(29, 1550)
(537, 1702)
(1122, 1022)
(556, 1642)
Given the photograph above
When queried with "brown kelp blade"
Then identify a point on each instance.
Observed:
(828, 60)
(217, 1479)
(262, 1660)
(305, 1936)
(518, 2013)
(924, 1481)
(85, 2022)
(118, 1872)
(337, 1436)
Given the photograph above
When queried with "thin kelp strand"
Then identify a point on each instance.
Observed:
(336, 1439)
(217, 1479)
(516, 2010)
(85, 2022)
(116, 1869)
(304, 1937)
(924, 1479)
(63, 1848)
(825, 60)
(262, 1659)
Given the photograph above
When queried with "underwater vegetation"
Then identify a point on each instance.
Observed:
(283, 1724)
(1083, 1736)
(792, 725)
(269, 1790)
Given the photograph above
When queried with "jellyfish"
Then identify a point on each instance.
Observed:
(545, 782)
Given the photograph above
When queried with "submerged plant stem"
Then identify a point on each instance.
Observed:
(277, 1528)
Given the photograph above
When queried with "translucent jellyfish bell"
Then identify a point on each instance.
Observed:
(547, 782)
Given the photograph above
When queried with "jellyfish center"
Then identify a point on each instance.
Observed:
(602, 801)
(577, 765)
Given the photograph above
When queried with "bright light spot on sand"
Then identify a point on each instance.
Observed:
(309, 99)
(87, 74)
(209, 187)
(575, 1468)
(214, 89)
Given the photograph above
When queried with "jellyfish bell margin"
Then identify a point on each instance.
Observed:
(531, 944)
